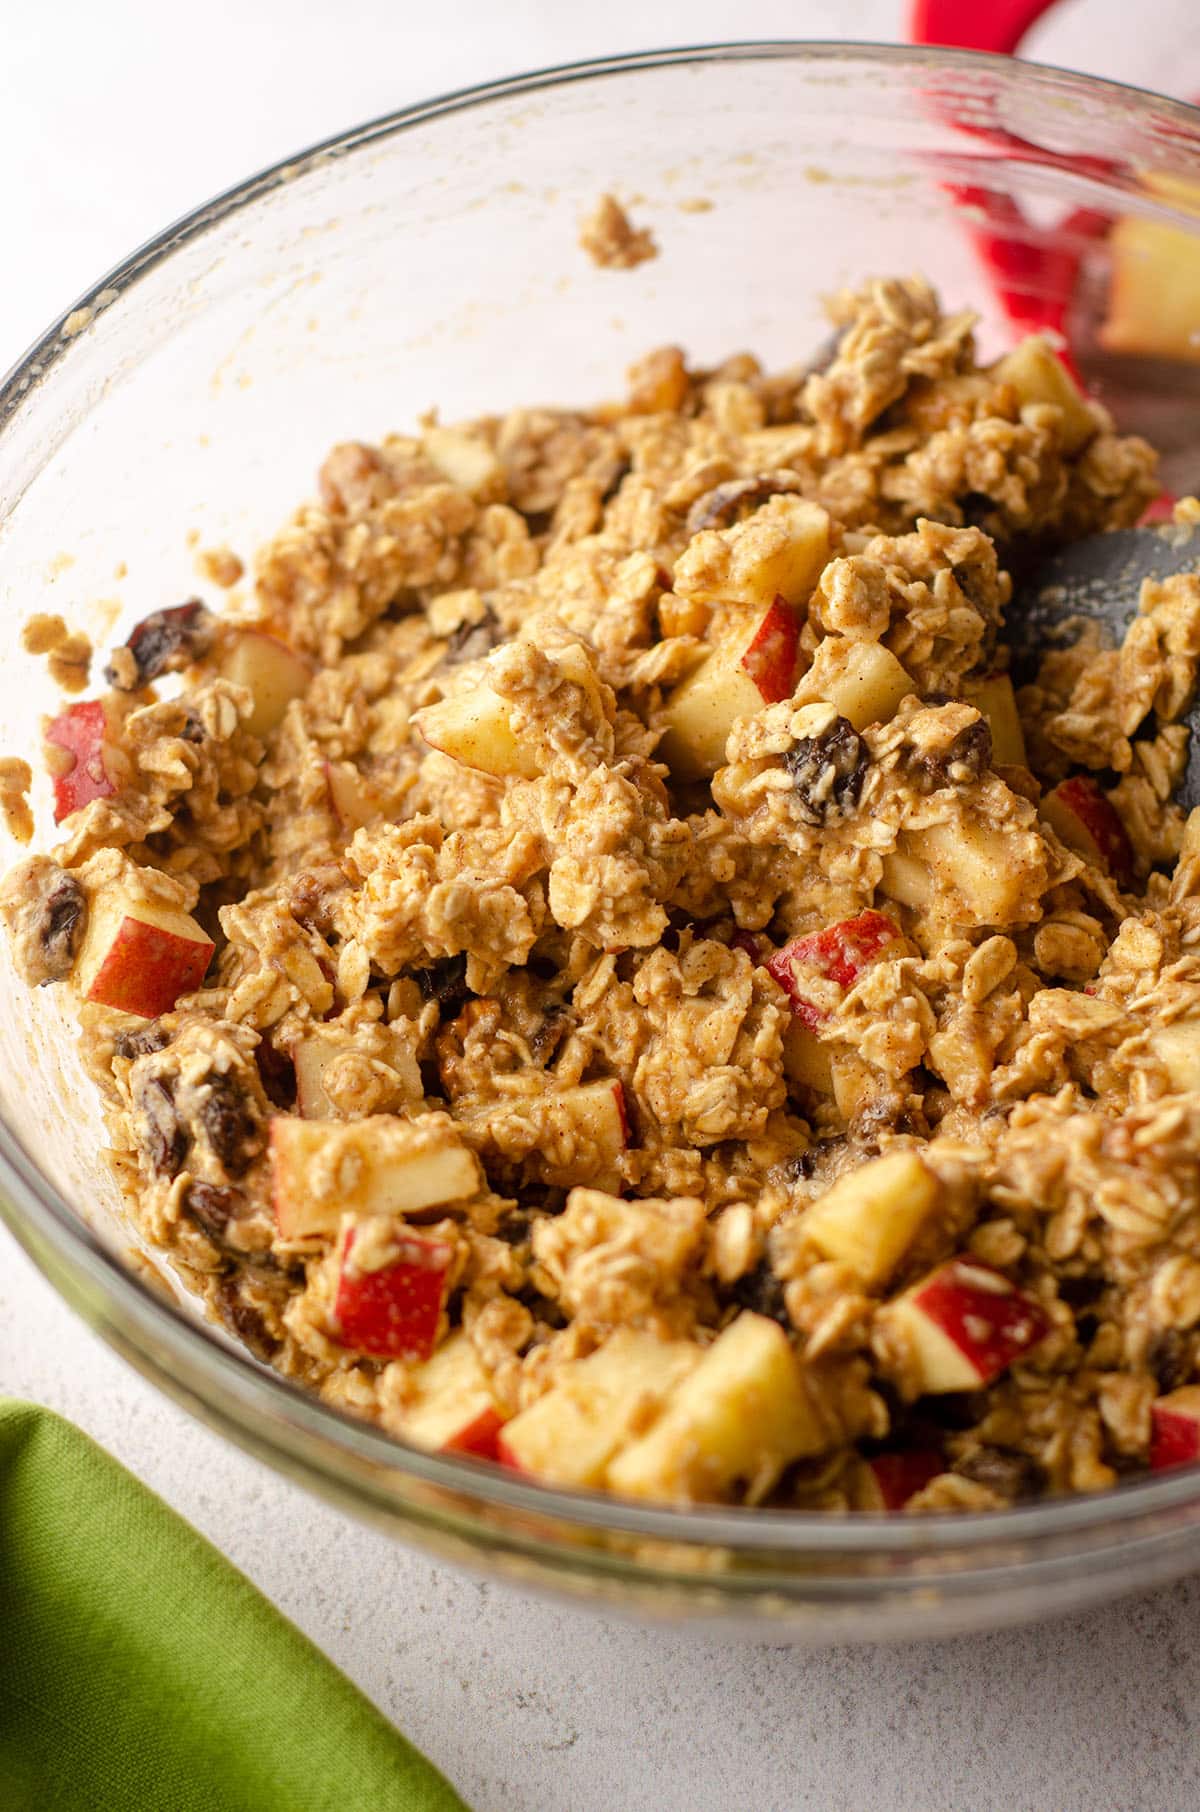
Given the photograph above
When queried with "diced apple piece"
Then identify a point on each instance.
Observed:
(595, 1407)
(140, 957)
(770, 658)
(906, 879)
(895, 1477)
(595, 1113)
(736, 680)
(863, 681)
(742, 1415)
(816, 970)
(962, 1325)
(389, 1295)
(354, 800)
(1088, 823)
(1038, 375)
(75, 757)
(452, 1409)
(476, 728)
(465, 460)
(970, 862)
(855, 1082)
(871, 1216)
(1154, 288)
(563, 1132)
(1175, 1429)
(995, 699)
(702, 710)
(322, 1169)
(806, 1060)
(788, 569)
(1177, 1047)
(272, 672)
(309, 1058)
(779, 551)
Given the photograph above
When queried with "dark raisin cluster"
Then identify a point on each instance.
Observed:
(827, 772)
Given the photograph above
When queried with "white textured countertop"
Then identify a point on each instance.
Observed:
(114, 119)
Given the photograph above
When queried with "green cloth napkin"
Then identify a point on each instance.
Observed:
(140, 1672)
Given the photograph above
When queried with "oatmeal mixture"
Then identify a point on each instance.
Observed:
(601, 970)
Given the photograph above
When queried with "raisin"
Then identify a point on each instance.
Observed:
(1009, 1474)
(211, 1207)
(1170, 1359)
(827, 772)
(549, 1035)
(60, 922)
(164, 1138)
(471, 641)
(762, 1292)
(730, 501)
(444, 981)
(142, 1043)
(965, 759)
(231, 1126)
(163, 642)
(278, 1074)
(1080, 1292)
(247, 1322)
(514, 1228)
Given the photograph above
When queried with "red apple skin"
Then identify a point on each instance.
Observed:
(393, 1313)
(81, 730)
(480, 1438)
(991, 1327)
(1098, 817)
(1174, 1431)
(147, 969)
(900, 1476)
(840, 952)
(770, 660)
(505, 1455)
(623, 1112)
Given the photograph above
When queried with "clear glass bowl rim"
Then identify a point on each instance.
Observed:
(41, 1217)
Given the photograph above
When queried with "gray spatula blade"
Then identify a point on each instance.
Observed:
(1100, 577)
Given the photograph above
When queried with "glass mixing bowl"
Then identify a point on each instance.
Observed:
(432, 258)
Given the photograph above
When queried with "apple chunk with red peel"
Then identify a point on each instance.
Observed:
(595, 1407)
(893, 1478)
(452, 1409)
(961, 1326)
(1087, 822)
(770, 656)
(139, 956)
(736, 680)
(390, 1291)
(1175, 1429)
(870, 1217)
(477, 729)
(562, 1133)
(273, 673)
(817, 970)
(379, 1165)
(741, 1416)
(75, 757)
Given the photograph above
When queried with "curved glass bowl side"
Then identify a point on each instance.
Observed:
(431, 256)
